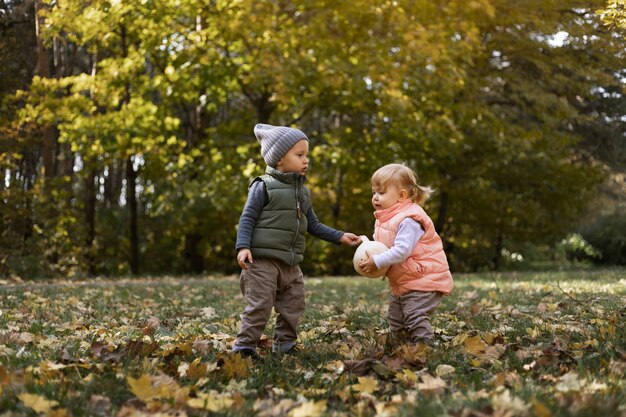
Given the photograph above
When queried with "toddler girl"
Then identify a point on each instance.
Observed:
(418, 269)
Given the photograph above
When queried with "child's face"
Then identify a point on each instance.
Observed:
(383, 198)
(296, 159)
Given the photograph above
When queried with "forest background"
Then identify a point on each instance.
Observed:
(126, 141)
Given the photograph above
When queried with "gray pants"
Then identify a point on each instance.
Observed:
(410, 313)
(265, 285)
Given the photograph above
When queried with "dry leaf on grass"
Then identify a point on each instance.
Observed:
(431, 385)
(309, 409)
(38, 403)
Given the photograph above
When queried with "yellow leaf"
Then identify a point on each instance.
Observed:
(61, 412)
(196, 370)
(236, 366)
(335, 367)
(211, 401)
(142, 388)
(37, 402)
(309, 409)
(366, 384)
(51, 366)
(408, 377)
(474, 345)
(415, 354)
(431, 385)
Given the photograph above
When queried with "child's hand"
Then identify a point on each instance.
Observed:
(368, 265)
(350, 239)
(242, 256)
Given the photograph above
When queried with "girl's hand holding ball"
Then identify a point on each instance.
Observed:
(363, 258)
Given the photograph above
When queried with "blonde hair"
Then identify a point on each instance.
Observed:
(402, 177)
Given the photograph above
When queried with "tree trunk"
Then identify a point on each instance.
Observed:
(195, 261)
(131, 178)
(43, 70)
(131, 200)
(90, 217)
(497, 256)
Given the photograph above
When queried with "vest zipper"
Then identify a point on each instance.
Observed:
(295, 236)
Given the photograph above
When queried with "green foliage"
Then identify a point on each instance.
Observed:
(477, 98)
(614, 14)
(576, 247)
(607, 233)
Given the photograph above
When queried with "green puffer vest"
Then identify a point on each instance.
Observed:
(279, 233)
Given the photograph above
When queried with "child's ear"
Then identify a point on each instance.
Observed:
(403, 194)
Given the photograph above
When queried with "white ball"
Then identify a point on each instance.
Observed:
(374, 248)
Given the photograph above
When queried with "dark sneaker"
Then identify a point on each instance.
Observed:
(294, 350)
(250, 353)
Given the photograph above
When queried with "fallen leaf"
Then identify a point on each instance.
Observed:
(336, 367)
(201, 346)
(267, 408)
(25, 338)
(570, 382)
(37, 402)
(208, 312)
(474, 345)
(395, 364)
(211, 401)
(408, 377)
(142, 388)
(182, 369)
(359, 367)
(492, 353)
(366, 385)
(196, 369)
(309, 409)
(443, 370)
(415, 354)
(431, 385)
(505, 404)
(236, 366)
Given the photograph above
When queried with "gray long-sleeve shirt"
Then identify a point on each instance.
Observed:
(257, 199)
(409, 233)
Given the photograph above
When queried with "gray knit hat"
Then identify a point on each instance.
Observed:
(276, 141)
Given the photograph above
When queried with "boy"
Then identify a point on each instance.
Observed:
(271, 240)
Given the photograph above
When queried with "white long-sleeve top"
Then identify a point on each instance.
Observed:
(409, 233)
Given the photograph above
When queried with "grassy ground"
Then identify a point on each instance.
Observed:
(512, 345)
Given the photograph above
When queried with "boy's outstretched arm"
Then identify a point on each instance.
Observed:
(320, 230)
(350, 239)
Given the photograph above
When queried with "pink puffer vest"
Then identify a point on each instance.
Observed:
(426, 269)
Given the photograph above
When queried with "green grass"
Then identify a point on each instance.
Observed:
(560, 335)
